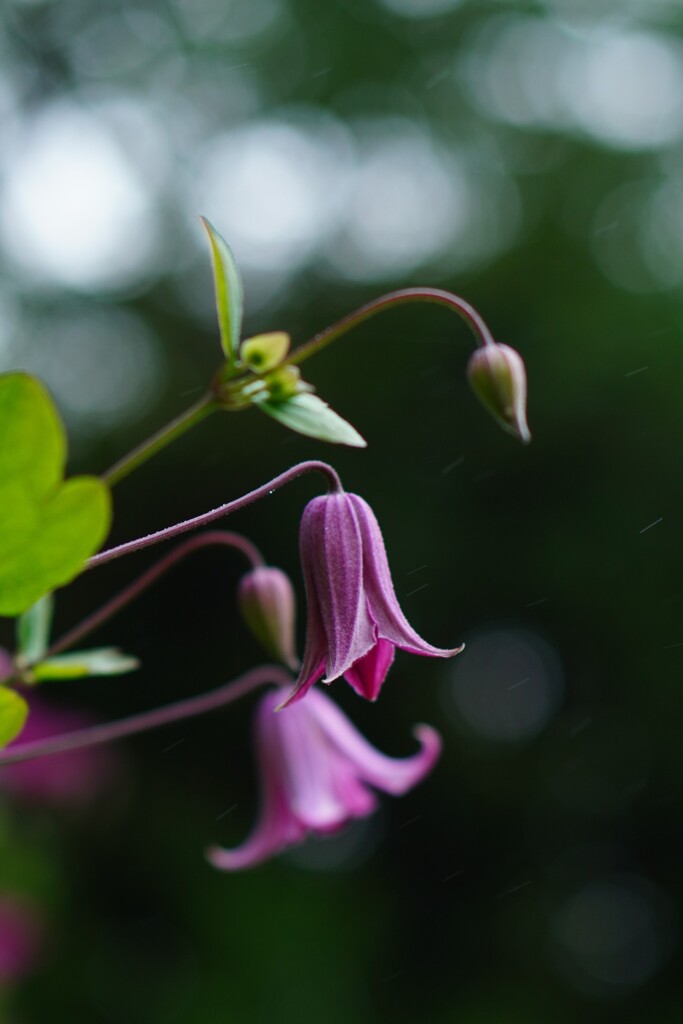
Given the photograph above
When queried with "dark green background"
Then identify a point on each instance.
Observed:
(530, 879)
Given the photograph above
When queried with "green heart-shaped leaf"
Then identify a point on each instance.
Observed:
(13, 715)
(48, 529)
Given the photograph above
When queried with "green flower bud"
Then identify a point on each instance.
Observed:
(498, 378)
(284, 383)
(264, 351)
(268, 606)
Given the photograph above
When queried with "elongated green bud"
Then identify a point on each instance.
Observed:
(498, 378)
(268, 605)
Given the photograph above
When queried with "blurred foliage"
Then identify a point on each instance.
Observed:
(529, 157)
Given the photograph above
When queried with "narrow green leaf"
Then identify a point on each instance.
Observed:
(47, 528)
(33, 629)
(229, 292)
(101, 661)
(13, 715)
(308, 414)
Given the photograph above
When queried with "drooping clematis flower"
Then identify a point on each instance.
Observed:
(354, 620)
(316, 769)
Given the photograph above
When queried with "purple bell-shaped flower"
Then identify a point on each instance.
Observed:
(354, 620)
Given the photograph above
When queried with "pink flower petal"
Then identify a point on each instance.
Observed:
(384, 608)
(393, 775)
(331, 544)
(315, 770)
(369, 672)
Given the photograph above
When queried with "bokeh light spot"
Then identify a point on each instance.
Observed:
(507, 686)
(72, 207)
(613, 934)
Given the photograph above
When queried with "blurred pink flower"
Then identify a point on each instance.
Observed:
(64, 779)
(21, 936)
(316, 769)
(354, 620)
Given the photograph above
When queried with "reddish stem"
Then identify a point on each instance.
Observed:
(129, 593)
(191, 707)
(218, 513)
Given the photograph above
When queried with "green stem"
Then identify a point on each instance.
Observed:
(467, 313)
(180, 425)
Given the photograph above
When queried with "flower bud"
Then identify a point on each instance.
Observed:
(268, 606)
(284, 383)
(498, 378)
(263, 352)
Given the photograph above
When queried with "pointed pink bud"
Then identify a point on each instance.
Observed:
(268, 605)
(498, 378)
(354, 619)
(316, 773)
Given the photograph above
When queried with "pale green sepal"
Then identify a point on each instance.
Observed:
(48, 528)
(229, 292)
(310, 415)
(101, 661)
(13, 715)
(33, 630)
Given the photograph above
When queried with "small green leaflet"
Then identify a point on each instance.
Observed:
(308, 414)
(33, 630)
(48, 528)
(101, 661)
(229, 292)
(13, 715)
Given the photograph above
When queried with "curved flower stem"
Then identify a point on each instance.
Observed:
(222, 510)
(156, 442)
(146, 720)
(129, 593)
(476, 324)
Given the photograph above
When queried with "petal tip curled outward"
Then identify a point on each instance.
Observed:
(385, 611)
(317, 771)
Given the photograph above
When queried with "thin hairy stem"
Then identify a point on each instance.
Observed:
(217, 513)
(436, 296)
(210, 539)
(95, 735)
